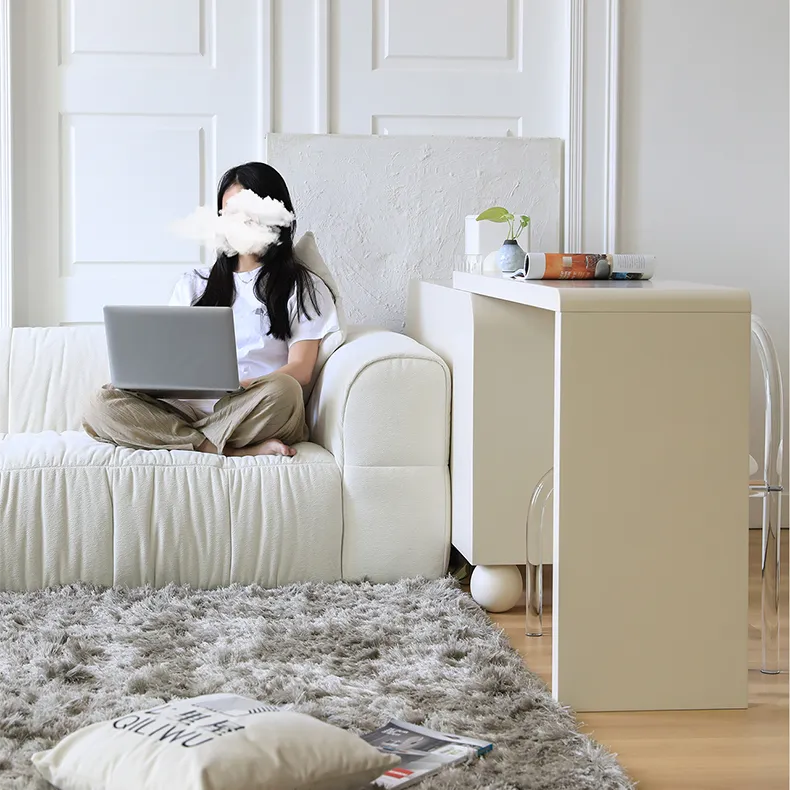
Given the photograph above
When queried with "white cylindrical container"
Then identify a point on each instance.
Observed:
(483, 237)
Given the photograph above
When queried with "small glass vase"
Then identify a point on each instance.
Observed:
(471, 264)
(510, 257)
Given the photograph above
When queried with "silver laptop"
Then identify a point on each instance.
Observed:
(172, 352)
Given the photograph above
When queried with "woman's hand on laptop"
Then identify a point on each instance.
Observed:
(245, 383)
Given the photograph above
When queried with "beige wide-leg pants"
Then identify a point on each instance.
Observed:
(272, 407)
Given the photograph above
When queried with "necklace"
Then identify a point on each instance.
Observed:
(247, 277)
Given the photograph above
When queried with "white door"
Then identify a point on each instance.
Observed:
(126, 113)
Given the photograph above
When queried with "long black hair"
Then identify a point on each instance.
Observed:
(281, 272)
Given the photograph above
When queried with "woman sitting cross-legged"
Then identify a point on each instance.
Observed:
(281, 312)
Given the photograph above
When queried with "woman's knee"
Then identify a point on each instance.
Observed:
(286, 404)
(285, 388)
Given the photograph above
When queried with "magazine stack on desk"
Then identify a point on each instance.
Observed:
(585, 266)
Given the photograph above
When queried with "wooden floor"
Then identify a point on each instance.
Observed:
(693, 750)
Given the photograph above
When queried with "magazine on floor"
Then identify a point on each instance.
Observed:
(422, 752)
(586, 266)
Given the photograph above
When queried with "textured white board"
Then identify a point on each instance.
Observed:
(387, 210)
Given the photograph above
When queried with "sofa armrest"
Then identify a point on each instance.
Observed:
(382, 399)
(381, 406)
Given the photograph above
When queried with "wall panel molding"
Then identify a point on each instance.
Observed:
(323, 11)
(612, 124)
(592, 139)
(198, 45)
(265, 73)
(504, 53)
(6, 244)
(574, 143)
(133, 233)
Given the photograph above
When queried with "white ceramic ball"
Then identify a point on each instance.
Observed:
(496, 588)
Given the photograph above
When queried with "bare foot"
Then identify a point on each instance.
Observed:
(269, 447)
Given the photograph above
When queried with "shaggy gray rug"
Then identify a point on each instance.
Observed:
(352, 654)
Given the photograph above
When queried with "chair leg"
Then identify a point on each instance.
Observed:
(540, 506)
(771, 547)
(534, 599)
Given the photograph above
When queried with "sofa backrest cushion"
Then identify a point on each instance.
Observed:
(307, 251)
(47, 374)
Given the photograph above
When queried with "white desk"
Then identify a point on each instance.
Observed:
(637, 395)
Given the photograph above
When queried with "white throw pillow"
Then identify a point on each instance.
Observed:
(306, 250)
(214, 742)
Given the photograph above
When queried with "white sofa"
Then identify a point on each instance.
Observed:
(368, 496)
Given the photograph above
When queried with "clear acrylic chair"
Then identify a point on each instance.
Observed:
(540, 516)
(769, 489)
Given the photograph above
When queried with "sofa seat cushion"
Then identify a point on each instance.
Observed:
(73, 509)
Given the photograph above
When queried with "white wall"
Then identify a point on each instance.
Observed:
(704, 149)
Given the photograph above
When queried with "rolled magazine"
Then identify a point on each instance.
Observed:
(586, 266)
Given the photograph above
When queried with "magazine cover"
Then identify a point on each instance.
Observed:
(422, 752)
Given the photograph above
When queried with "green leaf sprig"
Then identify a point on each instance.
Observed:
(516, 224)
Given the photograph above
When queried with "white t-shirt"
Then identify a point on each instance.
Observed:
(257, 352)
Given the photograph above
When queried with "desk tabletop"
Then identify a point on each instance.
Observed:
(607, 296)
